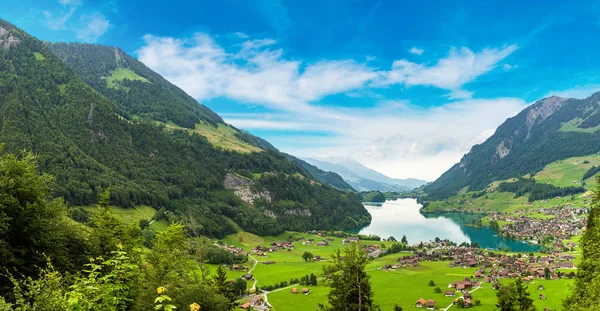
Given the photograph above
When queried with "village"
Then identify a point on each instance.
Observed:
(485, 266)
(555, 225)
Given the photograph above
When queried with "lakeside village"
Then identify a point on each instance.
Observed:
(487, 266)
(555, 226)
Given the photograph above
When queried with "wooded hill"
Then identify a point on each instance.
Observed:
(110, 122)
(552, 129)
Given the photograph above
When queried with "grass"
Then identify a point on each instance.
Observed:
(135, 214)
(222, 136)
(284, 300)
(566, 172)
(62, 88)
(403, 286)
(39, 56)
(122, 74)
(572, 126)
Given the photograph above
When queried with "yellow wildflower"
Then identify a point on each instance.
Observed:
(161, 290)
(194, 307)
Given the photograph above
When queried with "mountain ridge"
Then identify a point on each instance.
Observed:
(363, 178)
(551, 129)
(91, 143)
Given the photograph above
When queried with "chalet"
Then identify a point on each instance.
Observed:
(467, 295)
(467, 303)
(449, 293)
(487, 279)
(268, 262)
(540, 287)
(317, 258)
(294, 290)
(430, 304)
(564, 265)
(374, 254)
(305, 291)
(542, 297)
(351, 239)
(420, 303)
(322, 243)
(235, 267)
(247, 276)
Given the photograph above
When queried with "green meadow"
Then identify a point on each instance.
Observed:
(402, 286)
(122, 74)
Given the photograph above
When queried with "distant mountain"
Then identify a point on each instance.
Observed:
(551, 129)
(363, 178)
(96, 119)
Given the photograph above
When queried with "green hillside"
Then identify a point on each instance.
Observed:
(87, 138)
(562, 173)
(550, 130)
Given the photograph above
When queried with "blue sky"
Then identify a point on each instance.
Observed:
(403, 87)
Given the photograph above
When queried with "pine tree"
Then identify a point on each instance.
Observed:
(586, 292)
(524, 302)
(350, 286)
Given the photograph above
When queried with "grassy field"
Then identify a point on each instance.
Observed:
(403, 286)
(39, 56)
(572, 126)
(562, 173)
(134, 215)
(222, 136)
(121, 74)
(565, 172)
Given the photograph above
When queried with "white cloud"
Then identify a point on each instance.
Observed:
(370, 58)
(59, 22)
(415, 50)
(94, 26)
(242, 35)
(395, 137)
(461, 66)
(460, 94)
(254, 74)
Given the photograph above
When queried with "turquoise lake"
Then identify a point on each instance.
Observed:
(402, 217)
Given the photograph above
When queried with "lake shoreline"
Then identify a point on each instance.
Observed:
(405, 217)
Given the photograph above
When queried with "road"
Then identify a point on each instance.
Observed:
(251, 269)
(462, 296)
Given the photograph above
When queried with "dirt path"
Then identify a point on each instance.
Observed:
(462, 296)
(250, 271)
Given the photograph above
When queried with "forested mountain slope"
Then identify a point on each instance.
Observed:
(89, 140)
(142, 93)
(551, 129)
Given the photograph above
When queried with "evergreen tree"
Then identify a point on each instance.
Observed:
(514, 297)
(350, 286)
(404, 240)
(32, 227)
(586, 292)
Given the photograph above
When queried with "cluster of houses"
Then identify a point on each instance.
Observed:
(562, 224)
(273, 247)
(429, 303)
(256, 303)
(234, 249)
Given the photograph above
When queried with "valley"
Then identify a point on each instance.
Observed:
(120, 191)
